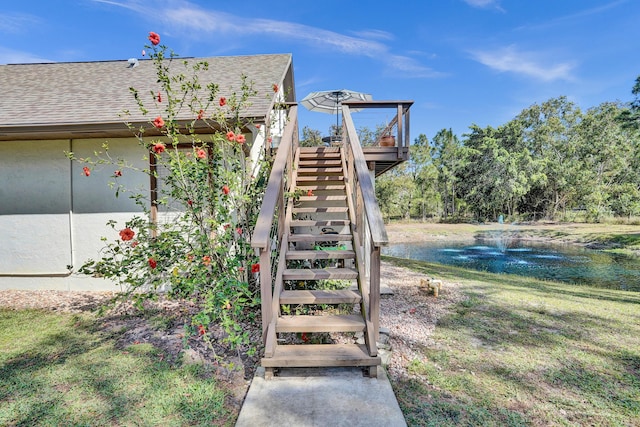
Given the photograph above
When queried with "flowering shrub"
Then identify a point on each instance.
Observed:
(206, 196)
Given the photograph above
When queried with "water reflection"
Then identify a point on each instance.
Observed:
(563, 263)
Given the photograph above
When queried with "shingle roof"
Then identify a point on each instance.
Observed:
(85, 93)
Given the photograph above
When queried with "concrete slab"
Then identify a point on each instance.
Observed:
(320, 397)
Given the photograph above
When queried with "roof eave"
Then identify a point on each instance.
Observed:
(97, 130)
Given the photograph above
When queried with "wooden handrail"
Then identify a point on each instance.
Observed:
(370, 205)
(262, 231)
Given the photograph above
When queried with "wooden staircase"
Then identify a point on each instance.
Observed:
(318, 245)
(333, 231)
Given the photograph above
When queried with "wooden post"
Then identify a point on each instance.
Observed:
(400, 144)
(265, 289)
(374, 286)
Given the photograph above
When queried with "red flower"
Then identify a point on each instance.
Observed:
(158, 148)
(304, 337)
(127, 234)
(202, 330)
(275, 87)
(190, 202)
(117, 173)
(241, 269)
(223, 101)
(134, 244)
(159, 97)
(240, 139)
(227, 225)
(86, 171)
(158, 122)
(255, 268)
(239, 230)
(225, 189)
(200, 114)
(206, 260)
(309, 192)
(152, 262)
(231, 136)
(201, 154)
(154, 38)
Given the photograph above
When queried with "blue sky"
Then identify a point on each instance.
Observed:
(460, 61)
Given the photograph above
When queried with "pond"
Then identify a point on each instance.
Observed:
(564, 263)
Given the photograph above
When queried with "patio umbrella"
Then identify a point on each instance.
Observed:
(330, 101)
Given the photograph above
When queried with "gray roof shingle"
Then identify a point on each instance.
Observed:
(82, 93)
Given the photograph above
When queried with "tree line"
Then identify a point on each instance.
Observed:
(552, 161)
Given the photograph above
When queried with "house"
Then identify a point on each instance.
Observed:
(51, 215)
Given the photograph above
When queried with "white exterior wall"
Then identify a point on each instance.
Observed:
(53, 216)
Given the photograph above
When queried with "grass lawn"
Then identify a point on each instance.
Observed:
(61, 370)
(519, 351)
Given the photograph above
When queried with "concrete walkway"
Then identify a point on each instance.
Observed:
(320, 397)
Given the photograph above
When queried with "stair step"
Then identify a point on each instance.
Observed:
(320, 237)
(325, 223)
(306, 151)
(335, 209)
(322, 179)
(319, 171)
(319, 273)
(320, 355)
(311, 187)
(323, 198)
(337, 323)
(321, 161)
(339, 296)
(321, 254)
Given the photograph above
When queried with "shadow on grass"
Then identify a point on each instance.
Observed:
(74, 375)
(519, 351)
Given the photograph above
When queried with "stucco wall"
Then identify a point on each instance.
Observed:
(52, 216)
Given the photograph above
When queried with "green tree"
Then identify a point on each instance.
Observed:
(609, 171)
(630, 118)
(548, 134)
(446, 153)
(311, 137)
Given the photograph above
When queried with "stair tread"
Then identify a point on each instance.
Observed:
(321, 187)
(333, 296)
(325, 223)
(320, 237)
(319, 273)
(319, 150)
(312, 355)
(322, 198)
(319, 171)
(328, 178)
(321, 254)
(320, 161)
(333, 323)
(330, 209)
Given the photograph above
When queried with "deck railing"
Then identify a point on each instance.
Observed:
(367, 227)
(269, 237)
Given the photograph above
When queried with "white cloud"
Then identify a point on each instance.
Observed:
(16, 22)
(10, 56)
(509, 59)
(193, 20)
(485, 4)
